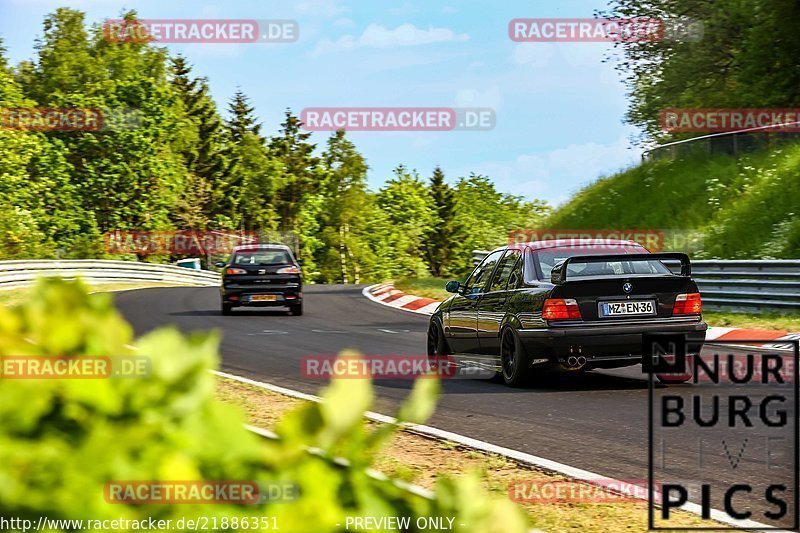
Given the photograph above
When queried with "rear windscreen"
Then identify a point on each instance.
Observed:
(262, 258)
(547, 259)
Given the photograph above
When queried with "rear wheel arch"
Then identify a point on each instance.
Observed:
(510, 320)
(514, 361)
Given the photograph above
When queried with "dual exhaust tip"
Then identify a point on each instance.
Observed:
(576, 362)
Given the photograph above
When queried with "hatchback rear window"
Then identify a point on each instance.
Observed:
(547, 259)
(262, 258)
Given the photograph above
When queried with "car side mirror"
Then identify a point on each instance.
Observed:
(219, 264)
(557, 274)
(452, 286)
(300, 262)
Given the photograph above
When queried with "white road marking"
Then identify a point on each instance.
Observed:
(522, 457)
(395, 331)
(270, 332)
(328, 331)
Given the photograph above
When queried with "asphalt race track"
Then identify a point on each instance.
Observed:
(597, 422)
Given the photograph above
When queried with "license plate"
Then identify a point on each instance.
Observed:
(263, 298)
(632, 307)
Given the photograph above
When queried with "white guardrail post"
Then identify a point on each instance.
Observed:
(15, 274)
(756, 286)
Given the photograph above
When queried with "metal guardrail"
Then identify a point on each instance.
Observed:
(15, 274)
(756, 286)
(729, 142)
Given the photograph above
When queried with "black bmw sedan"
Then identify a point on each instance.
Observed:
(261, 275)
(566, 306)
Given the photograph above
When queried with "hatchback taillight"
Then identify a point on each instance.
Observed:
(688, 304)
(236, 271)
(289, 270)
(561, 309)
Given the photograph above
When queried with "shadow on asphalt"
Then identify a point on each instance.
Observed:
(567, 383)
(590, 381)
(244, 312)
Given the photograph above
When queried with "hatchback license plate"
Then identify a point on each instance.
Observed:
(263, 298)
(633, 307)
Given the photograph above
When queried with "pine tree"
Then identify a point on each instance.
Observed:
(248, 192)
(242, 120)
(203, 148)
(291, 148)
(440, 241)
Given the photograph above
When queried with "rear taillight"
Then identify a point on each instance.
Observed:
(561, 309)
(289, 270)
(236, 271)
(688, 304)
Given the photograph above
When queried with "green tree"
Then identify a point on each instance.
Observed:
(242, 120)
(747, 56)
(128, 174)
(409, 212)
(486, 218)
(344, 189)
(247, 179)
(201, 144)
(39, 206)
(441, 239)
(292, 149)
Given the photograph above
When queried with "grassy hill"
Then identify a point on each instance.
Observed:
(745, 207)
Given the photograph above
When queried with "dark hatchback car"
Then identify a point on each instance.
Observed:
(565, 306)
(261, 275)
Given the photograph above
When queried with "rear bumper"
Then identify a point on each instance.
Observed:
(242, 297)
(613, 329)
(604, 345)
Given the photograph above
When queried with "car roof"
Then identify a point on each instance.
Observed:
(254, 247)
(574, 243)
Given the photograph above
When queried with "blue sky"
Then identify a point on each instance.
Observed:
(559, 107)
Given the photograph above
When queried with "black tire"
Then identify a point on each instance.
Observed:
(438, 350)
(296, 310)
(437, 344)
(513, 360)
(227, 309)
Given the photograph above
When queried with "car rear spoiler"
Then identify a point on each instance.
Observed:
(559, 272)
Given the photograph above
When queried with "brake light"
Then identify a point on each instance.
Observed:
(561, 309)
(289, 270)
(688, 304)
(236, 271)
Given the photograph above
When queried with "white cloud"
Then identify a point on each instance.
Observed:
(491, 97)
(377, 36)
(557, 174)
(534, 54)
(406, 9)
(324, 8)
(343, 23)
